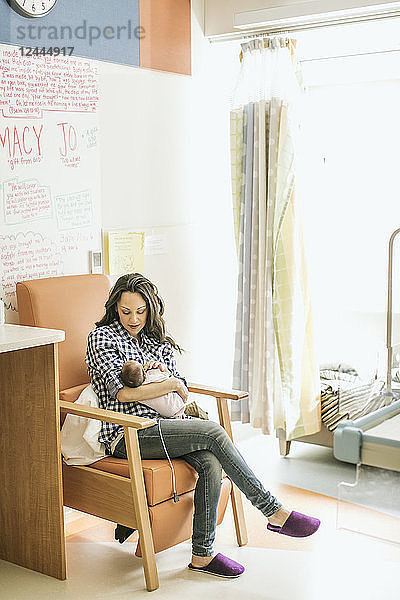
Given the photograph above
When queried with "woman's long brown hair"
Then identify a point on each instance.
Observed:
(155, 324)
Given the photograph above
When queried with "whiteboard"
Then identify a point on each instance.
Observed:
(49, 168)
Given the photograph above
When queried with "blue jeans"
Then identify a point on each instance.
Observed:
(206, 446)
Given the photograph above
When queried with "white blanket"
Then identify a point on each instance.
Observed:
(79, 435)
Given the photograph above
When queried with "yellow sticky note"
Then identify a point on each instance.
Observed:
(124, 252)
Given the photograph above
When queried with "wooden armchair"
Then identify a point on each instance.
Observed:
(134, 493)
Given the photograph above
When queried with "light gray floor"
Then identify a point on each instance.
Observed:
(314, 468)
(106, 571)
(307, 466)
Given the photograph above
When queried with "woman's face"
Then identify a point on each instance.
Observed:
(132, 312)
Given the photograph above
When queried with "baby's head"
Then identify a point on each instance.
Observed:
(132, 374)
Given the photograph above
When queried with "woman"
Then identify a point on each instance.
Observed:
(133, 328)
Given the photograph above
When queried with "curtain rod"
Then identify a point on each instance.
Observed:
(305, 60)
(286, 32)
(251, 33)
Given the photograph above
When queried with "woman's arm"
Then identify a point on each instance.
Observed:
(153, 390)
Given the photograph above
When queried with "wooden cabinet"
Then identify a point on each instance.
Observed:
(31, 503)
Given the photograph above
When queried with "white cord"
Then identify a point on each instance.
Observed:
(176, 497)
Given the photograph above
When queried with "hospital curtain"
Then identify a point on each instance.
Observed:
(274, 348)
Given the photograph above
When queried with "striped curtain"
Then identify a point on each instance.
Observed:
(274, 349)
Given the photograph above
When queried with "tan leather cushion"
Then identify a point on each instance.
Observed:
(71, 303)
(157, 476)
(181, 514)
(72, 394)
(171, 522)
(157, 473)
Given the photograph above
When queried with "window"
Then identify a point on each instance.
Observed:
(349, 184)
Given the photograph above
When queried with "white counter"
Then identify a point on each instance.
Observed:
(17, 337)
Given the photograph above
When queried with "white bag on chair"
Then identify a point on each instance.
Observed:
(79, 435)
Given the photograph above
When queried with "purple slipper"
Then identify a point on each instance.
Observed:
(221, 566)
(297, 525)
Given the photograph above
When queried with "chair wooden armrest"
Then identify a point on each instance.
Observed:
(221, 397)
(111, 416)
(198, 388)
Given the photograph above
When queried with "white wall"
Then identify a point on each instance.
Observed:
(165, 167)
(219, 14)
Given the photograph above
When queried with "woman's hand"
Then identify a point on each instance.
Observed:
(179, 387)
(154, 364)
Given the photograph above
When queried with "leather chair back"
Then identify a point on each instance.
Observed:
(72, 303)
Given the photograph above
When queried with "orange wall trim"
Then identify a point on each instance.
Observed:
(166, 45)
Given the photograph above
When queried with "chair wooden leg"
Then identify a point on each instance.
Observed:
(238, 516)
(236, 497)
(141, 509)
(284, 447)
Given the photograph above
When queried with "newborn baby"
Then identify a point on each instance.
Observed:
(170, 405)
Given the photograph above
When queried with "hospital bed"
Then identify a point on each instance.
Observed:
(371, 440)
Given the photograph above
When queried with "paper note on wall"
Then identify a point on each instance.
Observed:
(124, 252)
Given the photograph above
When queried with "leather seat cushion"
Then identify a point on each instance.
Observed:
(157, 476)
(72, 394)
(163, 514)
(157, 473)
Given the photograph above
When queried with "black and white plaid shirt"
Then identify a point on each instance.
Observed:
(108, 348)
